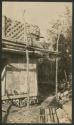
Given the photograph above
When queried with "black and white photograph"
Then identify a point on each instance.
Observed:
(36, 76)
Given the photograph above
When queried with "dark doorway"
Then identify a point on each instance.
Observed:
(46, 79)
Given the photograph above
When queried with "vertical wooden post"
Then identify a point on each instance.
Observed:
(57, 68)
(28, 89)
(56, 77)
(27, 59)
(3, 84)
(5, 79)
(3, 26)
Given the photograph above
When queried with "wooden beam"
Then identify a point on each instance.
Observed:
(12, 50)
(13, 47)
(32, 48)
(12, 44)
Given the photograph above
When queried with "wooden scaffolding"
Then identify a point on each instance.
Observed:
(16, 47)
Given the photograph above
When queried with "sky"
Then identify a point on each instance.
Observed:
(39, 13)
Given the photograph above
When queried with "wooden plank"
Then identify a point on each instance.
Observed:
(13, 44)
(14, 96)
(14, 50)
(13, 47)
(17, 97)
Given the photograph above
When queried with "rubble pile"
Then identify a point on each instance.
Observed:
(59, 113)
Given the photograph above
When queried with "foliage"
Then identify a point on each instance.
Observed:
(63, 28)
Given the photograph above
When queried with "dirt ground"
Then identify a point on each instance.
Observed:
(31, 115)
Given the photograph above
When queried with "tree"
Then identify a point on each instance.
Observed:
(63, 28)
